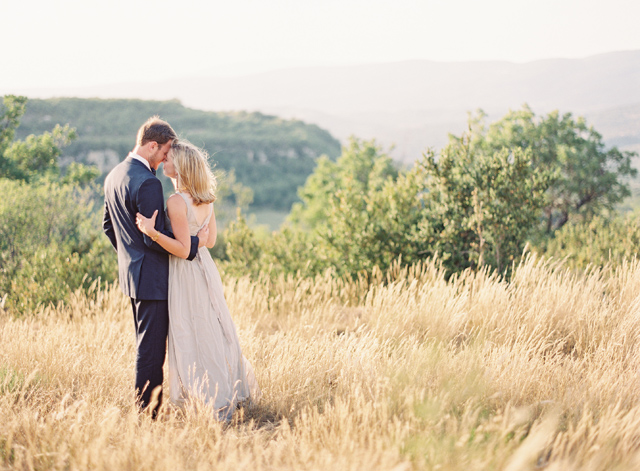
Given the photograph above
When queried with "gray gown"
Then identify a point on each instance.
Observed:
(205, 359)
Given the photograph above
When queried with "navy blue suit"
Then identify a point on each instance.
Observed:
(143, 265)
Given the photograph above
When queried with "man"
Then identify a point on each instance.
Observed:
(143, 265)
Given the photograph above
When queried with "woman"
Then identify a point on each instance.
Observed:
(205, 360)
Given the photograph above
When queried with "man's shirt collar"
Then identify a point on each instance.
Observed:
(137, 157)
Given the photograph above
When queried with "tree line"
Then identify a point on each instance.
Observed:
(476, 203)
(548, 182)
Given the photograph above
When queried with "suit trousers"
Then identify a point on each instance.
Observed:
(152, 324)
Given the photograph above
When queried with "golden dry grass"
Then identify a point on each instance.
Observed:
(473, 373)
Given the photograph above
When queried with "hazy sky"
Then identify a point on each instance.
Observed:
(70, 43)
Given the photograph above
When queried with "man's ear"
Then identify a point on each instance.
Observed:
(153, 145)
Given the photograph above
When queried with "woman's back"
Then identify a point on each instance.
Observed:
(197, 216)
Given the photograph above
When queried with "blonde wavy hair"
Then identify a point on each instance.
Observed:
(194, 174)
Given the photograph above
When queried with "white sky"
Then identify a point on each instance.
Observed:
(72, 43)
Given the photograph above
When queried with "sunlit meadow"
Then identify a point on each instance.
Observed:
(408, 371)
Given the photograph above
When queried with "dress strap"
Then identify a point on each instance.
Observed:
(208, 218)
(186, 201)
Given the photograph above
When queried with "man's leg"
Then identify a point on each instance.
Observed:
(152, 323)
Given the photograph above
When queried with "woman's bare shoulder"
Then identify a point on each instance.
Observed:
(176, 202)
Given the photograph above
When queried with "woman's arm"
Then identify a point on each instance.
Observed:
(149, 199)
(213, 230)
(177, 209)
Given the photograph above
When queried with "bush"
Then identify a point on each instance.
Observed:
(51, 243)
(289, 251)
(469, 207)
(597, 242)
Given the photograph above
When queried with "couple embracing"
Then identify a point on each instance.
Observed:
(167, 271)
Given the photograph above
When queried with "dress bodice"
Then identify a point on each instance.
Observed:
(194, 226)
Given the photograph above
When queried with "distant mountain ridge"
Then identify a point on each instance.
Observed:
(412, 104)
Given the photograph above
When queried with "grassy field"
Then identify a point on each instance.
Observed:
(473, 373)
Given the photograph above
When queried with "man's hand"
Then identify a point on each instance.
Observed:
(203, 236)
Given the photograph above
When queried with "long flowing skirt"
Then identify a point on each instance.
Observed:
(205, 359)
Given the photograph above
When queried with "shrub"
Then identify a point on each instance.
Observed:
(597, 242)
(51, 243)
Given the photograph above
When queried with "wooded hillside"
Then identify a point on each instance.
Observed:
(271, 155)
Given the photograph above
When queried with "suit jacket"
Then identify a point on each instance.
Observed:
(143, 265)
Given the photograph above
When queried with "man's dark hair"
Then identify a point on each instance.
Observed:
(156, 130)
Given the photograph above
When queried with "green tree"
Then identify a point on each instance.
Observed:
(11, 111)
(590, 179)
(375, 226)
(482, 206)
(79, 173)
(467, 207)
(51, 243)
(362, 165)
(36, 156)
(475, 204)
(331, 229)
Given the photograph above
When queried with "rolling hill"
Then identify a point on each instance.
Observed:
(271, 155)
